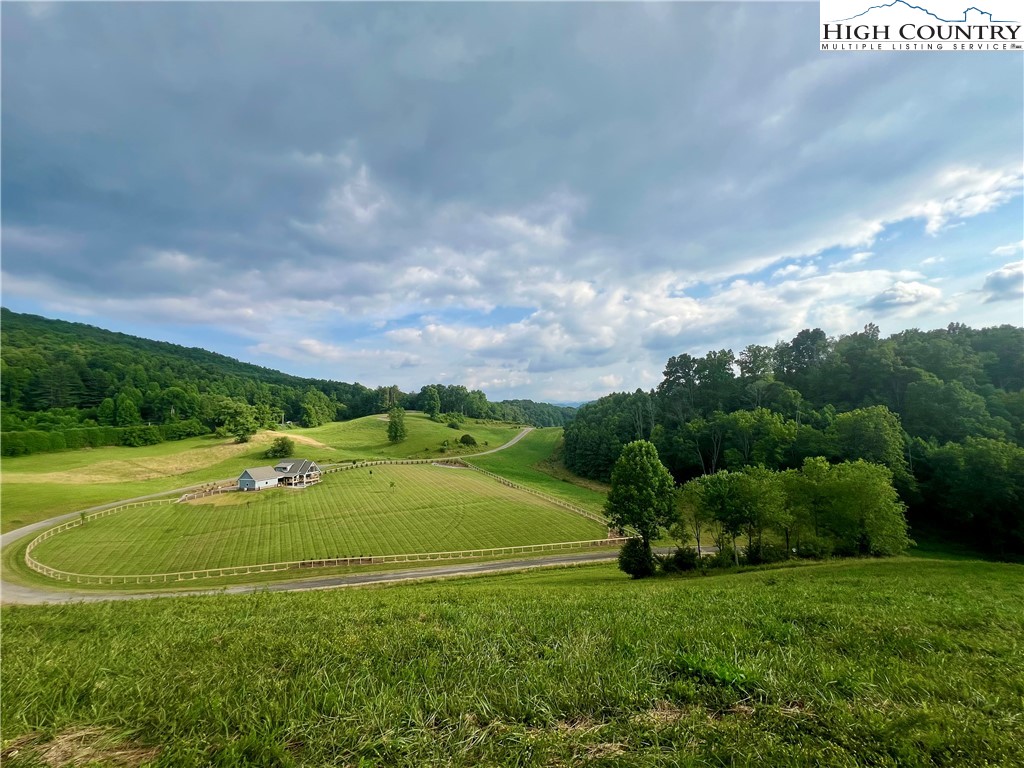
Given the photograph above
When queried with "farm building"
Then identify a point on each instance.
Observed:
(297, 473)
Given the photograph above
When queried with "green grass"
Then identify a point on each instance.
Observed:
(353, 513)
(905, 662)
(530, 463)
(45, 485)
(367, 438)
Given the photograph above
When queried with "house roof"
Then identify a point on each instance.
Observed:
(260, 473)
(295, 467)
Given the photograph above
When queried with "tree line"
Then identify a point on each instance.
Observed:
(941, 410)
(70, 385)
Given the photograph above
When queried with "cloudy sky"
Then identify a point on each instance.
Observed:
(541, 201)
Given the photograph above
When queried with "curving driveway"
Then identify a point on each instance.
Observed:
(23, 594)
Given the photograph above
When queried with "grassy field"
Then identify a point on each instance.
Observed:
(367, 438)
(529, 462)
(905, 662)
(391, 509)
(44, 485)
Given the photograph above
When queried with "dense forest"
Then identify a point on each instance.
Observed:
(69, 385)
(942, 410)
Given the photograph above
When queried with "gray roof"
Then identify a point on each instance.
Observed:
(292, 467)
(261, 473)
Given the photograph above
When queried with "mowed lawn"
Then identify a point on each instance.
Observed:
(528, 462)
(394, 509)
(48, 484)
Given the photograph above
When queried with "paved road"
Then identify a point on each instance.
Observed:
(17, 593)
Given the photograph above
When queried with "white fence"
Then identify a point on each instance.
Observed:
(245, 570)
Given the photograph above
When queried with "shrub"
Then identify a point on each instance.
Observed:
(135, 437)
(685, 559)
(281, 448)
(636, 559)
(467, 440)
(454, 425)
(724, 558)
(762, 553)
(179, 430)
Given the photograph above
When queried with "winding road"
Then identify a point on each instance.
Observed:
(11, 593)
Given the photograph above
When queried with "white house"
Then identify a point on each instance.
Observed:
(294, 472)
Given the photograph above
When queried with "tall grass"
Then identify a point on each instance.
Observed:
(905, 662)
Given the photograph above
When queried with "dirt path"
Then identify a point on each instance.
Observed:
(20, 593)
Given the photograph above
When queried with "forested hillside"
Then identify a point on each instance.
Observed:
(69, 385)
(943, 410)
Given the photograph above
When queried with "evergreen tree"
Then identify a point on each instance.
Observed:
(396, 425)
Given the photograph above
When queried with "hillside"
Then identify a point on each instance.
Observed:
(908, 662)
(942, 410)
(59, 377)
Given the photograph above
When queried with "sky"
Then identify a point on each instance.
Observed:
(543, 201)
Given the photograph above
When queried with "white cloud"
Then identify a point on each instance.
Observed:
(1005, 284)
(855, 259)
(910, 297)
(961, 193)
(1009, 249)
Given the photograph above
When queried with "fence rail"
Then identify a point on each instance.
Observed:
(208, 492)
(245, 570)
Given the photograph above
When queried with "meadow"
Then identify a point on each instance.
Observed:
(45, 485)
(529, 462)
(389, 509)
(899, 662)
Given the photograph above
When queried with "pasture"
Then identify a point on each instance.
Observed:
(901, 662)
(367, 438)
(44, 485)
(529, 462)
(393, 509)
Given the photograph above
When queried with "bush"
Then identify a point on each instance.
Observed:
(760, 554)
(685, 559)
(454, 425)
(636, 559)
(281, 448)
(467, 440)
(135, 437)
(724, 558)
(179, 430)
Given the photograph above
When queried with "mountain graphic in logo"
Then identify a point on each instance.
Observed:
(972, 14)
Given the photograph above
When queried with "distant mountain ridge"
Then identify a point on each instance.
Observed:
(60, 375)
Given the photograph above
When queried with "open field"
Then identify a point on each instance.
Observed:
(903, 662)
(528, 463)
(391, 509)
(44, 485)
(367, 438)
